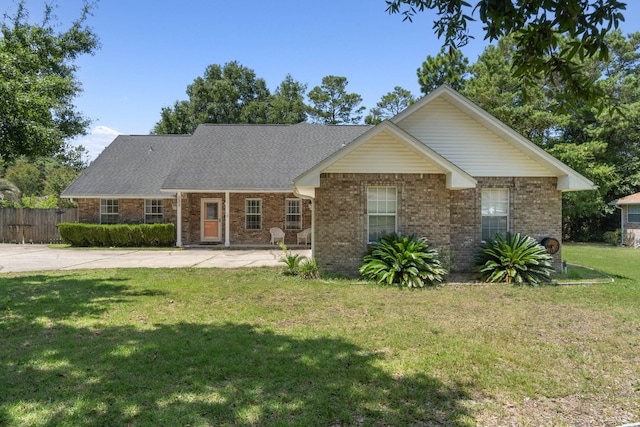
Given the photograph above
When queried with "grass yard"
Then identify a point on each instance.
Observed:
(208, 347)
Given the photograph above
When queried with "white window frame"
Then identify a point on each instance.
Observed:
(633, 213)
(109, 208)
(382, 201)
(153, 208)
(494, 204)
(250, 211)
(293, 214)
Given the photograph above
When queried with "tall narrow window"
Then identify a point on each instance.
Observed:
(381, 211)
(108, 211)
(633, 213)
(495, 212)
(293, 214)
(253, 214)
(153, 211)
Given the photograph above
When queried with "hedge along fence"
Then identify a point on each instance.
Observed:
(118, 235)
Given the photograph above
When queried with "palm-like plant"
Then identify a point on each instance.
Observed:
(291, 260)
(513, 259)
(404, 261)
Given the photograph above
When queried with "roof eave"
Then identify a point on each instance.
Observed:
(117, 196)
(228, 190)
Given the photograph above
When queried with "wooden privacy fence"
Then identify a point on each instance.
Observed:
(33, 225)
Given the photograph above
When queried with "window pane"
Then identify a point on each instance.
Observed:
(109, 219)
(212, 211)
(153, 211)
(381, 209)
(380, 225)
(493, 225)
(293, 214)
(495, 212)
(495, 201)
(381, 200)
(109, 211)
(253, 214)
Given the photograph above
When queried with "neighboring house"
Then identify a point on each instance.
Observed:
(629, 219)
(443, 169)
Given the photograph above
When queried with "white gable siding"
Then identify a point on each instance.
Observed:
(467, 143)
(384, 154)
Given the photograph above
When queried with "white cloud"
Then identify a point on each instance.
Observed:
(97, 140)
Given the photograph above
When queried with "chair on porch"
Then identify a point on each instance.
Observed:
(305, 235)
(276, 235)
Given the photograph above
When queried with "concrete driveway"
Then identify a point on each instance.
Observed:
(17, 258)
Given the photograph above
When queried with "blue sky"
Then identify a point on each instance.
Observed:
(151, 50)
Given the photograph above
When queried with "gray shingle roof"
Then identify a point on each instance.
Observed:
(131, 166)
(215, 157)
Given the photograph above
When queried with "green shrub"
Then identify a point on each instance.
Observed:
(513, 259)
(75, 234)
(290, 260)
(308, 269)
(612, 237)
(403, 261)
(117, 235)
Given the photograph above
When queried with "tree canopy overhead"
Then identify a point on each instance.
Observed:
(332, 105)
(389, 105)
(38, 83)
(232, 93)
(538, 28)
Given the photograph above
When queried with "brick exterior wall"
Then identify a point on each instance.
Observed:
(631, 229)
(341, 215)
(449, 219)
(131, 211)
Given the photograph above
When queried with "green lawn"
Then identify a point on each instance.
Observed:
(201, 347)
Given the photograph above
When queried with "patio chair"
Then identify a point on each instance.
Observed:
(305, 235)
(276, 235)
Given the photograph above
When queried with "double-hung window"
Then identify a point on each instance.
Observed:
(153, 211)
(293, 214)
(495, 212)
(253, 214)
(633, 213)
(382, 206)
(108, 211)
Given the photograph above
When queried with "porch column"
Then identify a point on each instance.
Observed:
(227, 214)
(179, 219)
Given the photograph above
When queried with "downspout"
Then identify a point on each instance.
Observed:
(227, 215)
(179, 219)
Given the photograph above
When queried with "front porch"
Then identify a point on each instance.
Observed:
(241, 220)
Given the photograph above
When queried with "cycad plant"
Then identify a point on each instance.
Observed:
(514, 259)
(403, 261)
(291, 260)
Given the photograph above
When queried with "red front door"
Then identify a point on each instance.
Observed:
(210, 220)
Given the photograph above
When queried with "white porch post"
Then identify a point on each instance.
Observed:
(227, 215)
(179, 219)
